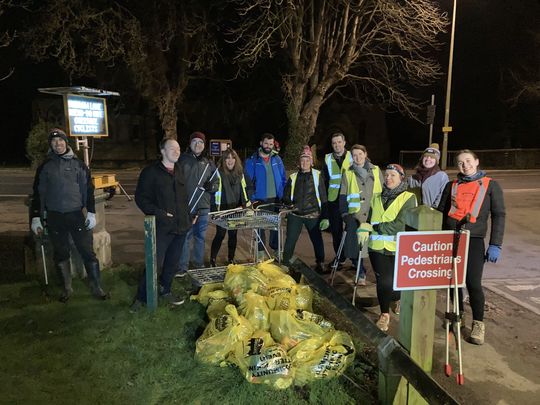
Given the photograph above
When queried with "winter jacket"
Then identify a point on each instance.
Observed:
(159, 192)
(231, 193)
(432, 188)
(304, 196)
(493, 206)
(193, 168)
(256, 172)
(63, 184)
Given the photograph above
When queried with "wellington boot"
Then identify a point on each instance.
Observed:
(92, 269)
(65, 269)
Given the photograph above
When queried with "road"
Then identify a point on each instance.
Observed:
(516, 276)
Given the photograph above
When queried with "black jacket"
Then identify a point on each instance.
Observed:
(159, 192)
(63, 184)
(305, 198)
(493, 206)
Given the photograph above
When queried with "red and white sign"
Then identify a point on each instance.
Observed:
(424, 260)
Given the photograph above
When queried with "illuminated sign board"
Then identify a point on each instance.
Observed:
(87, 116)
(218, 146)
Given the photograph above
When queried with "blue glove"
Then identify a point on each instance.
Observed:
(493, 253)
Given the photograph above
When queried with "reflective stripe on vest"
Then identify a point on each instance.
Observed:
(217, 195)
(334, 173)
(316, 176)
(353, 192)
(467, 198)
(380, 242)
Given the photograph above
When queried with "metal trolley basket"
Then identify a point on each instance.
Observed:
(255, 219)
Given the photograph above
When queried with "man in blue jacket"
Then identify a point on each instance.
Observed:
(266, 171)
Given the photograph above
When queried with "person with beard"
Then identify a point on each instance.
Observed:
(266, 173)
(64, 194)
(388, 211)
(429, 178)
(231, 193)
(481, 198)
(200, 179)
(306, 190)
(359, 184)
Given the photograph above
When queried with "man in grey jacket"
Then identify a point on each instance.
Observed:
(63, 190)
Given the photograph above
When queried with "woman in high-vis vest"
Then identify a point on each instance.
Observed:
(359, 183)
(232, 193)
(306, 190)
(388, 218)
(480, 197)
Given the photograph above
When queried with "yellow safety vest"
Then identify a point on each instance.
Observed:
(353, 191)
(334, 172)
(379, 215)
(217, 195)
(316, 177)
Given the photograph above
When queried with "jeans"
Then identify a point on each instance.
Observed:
(196, 233)
(168, 250)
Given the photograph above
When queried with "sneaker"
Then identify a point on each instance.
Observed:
(136, 306)
(180, 274)
(395, 306)
(477, 333)
(382, 323)
(172, 299)
(319, 268)
(212, 262)
(361, 281)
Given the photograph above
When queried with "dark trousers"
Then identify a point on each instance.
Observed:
(218, 240)
(294, 228)
(473, 281)
(383, 267)
(168, 250)
(336, 225)
(60, 226)
(273, 234)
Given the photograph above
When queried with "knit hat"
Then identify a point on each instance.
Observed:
(397, 168)
(57, 133)
(198, 135)
(306, 152)
(433, 151)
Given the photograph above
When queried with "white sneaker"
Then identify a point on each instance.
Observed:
(477, 333)
(383, 322)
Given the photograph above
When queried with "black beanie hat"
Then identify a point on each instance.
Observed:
(57, 132)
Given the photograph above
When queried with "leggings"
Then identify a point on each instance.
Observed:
(383, 267)
(473, 281)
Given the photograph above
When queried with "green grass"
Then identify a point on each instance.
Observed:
(92, 352)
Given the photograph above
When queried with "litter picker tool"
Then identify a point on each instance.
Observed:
(454, 317)
(358, 267)
(202, 189)
(44, 259)
(198, 184)
(338, 255)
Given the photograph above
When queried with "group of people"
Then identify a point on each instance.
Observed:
(363, 207)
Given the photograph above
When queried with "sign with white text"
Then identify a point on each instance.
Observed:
(218, 146)
(86, 116)
(424, 260)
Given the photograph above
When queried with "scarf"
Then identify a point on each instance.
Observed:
(423, 173)
(389, 195)
(461, 178)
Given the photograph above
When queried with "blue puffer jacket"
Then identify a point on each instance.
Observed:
(254, 169)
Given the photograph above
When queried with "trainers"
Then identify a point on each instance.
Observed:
(212, 262)
(319, 268)
(361, 281)
(171, 299)
(395, 306)
(383, 321)
(180, 274)
(477, 333)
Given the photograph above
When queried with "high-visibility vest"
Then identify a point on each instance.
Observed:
(379, 215)
(353, 191)
(467, 198)
(316, 179)
(217, 195)
(334, 172)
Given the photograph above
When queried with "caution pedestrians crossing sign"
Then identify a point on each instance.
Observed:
(424, 260)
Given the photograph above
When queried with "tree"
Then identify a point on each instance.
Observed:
(163, 44)
(7, 36)
(376, 48)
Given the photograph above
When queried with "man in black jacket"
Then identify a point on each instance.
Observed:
(62, 190)
(161, 191)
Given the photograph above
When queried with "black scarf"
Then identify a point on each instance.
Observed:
(466, 179)
(389, 195)
(423, 173)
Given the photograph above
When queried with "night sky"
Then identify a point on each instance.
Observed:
(492, 38)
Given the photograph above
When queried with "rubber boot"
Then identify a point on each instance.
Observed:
(93, 277)
(65, 269)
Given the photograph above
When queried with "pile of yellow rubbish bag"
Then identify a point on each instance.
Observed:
(262, 321)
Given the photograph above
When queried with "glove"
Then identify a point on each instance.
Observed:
(36, 226)
(324, 224)
(493, 253)
(208, 186)
(90, 220)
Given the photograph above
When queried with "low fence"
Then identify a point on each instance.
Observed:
(489, 158)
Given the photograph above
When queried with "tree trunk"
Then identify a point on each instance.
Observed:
(168, 113)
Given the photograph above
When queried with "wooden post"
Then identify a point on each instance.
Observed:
(150, 262)
(417, 317)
